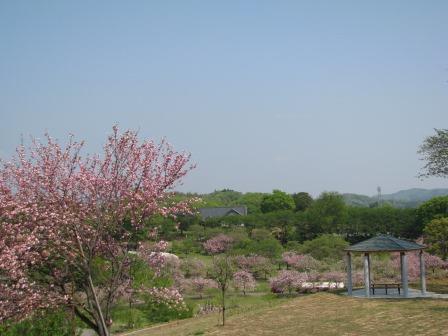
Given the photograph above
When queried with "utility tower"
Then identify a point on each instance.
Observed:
(378, 189)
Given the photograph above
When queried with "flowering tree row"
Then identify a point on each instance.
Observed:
(432, 263)
(289, 281)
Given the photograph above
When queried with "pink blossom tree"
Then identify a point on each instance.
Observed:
(244, 281)
(162, 263)
(153, 255)
(336, 277)
(287, 281)
(62, 212)
(358, 278)
(413, 265)
(434, 262)
(255, 264)
(300, 262)
(222, 271)
(313, 276)
(218, 244)
(170, 297)
(200, 285)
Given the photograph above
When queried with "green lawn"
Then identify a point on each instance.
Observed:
(206, 259)
(437, 286)
(236, 303)
(317, 314)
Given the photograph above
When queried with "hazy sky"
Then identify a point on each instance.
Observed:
(294, 95)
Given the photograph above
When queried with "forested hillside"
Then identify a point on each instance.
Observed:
(409, 198)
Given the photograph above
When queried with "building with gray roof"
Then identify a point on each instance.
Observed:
(211, 212)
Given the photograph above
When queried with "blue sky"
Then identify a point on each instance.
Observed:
(300, 96)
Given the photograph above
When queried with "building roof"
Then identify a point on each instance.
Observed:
(223, 211)
(385, 243)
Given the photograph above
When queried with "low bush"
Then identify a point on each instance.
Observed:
(49, 323)
(159, 312)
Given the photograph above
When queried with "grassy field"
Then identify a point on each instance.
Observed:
(236, 303)
(319, 314)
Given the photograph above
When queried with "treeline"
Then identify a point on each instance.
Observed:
(299, 217)
(354, 224)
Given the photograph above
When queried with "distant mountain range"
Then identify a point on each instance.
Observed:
(404, 198)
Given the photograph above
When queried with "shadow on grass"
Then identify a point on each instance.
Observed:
(440, 309)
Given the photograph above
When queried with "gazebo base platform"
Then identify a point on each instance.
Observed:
(380, 293)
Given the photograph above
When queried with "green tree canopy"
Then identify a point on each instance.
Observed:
(326, 246)
(278, 200)
(434, 208)
(364, 222)
(434, 151)
(260, 234)
(224, 197)
(269, 248)
(328, 213)
(252, 200)
(436, 234)
(302, 200)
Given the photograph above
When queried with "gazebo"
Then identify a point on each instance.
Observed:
(385, 243)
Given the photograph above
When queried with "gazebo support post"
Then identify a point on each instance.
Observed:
(370, 269)
(366, 275)
(349, 274)
(422, 273)
(404, 273)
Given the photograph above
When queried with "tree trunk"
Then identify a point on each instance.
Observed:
(101, 323)
(223, 307)
(131, 313)
(102, 328)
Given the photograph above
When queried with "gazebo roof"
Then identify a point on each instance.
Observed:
(385, 243)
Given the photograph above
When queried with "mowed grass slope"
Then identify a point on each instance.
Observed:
(322, 314)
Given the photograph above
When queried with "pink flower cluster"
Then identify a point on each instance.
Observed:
(334, 276)
(358, 278)
(200, 284)
(287, 281)
(171, 297)
(432, 263)
(161, 262)
(218, 244)
(155, 260)
(244, 281)
(255, 264)
(249, 262)
(300, 262)
(160, 246)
